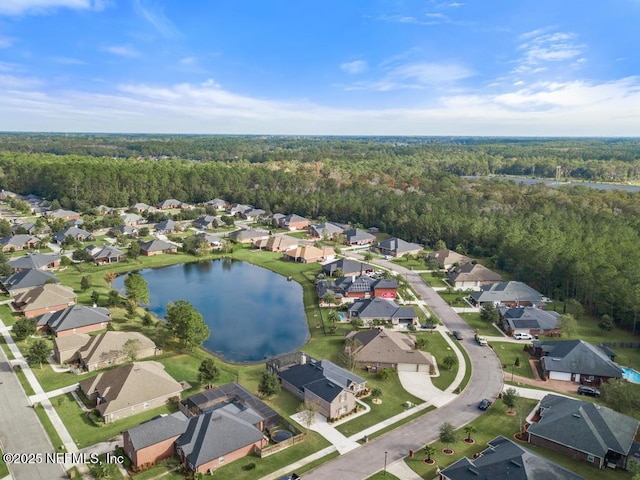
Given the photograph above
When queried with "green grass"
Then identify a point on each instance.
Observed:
(7, 316)
(410, 263)
(433, 281)
(168, 469)
(508, 352)
(5, 347)
(24, 382)
(468, 372)
(84, 432)
(300, 234)
(454, 299)
(400, 423)
(4, 470)
(439, 348)
(482, 327)
(393, 397)
(56, 441)
(383, 476)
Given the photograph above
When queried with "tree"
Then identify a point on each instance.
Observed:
(38, 352)
(568, 324)
(333, 317)
(208, 372)
(136, 287)
(606, 323)
(489, 312)
(428, 451)
(469, 429)
(447, 434)
(376, 393)
(187, 323)
(510, 397)
(269, 384)
(368, 256)
(143, 232)
(23, 328)
(85, 283)
(308, 410)
(131, 348)
(114, 299)
(620, 395)
(79, 254)
(133, 251)
(356, 322)
(449, 361)
(338, 273)
(147, 319)
(95, 297)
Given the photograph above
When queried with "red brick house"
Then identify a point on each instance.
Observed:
(75, 319)
(293, 222)
(46, 299)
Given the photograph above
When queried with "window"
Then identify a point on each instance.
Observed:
(591, 458)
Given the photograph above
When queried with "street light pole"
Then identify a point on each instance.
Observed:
(384, 472)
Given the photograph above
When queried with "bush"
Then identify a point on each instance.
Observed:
(249, 466)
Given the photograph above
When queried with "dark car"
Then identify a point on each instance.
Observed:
(457, 334)
(586, 390)
(484, 404)
(428, 326)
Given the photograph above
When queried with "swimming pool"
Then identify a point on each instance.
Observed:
(342, 317)
(630, 375)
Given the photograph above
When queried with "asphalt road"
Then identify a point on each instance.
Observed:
(486, 382)
(21, 431)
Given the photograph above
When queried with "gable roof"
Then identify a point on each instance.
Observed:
(74, 317)
(355, 235)
(473, 272)
(291, 218)
(584, 426)
(398, 246)
(74, 232)
(130, 385)
(309, 252)
(508, 292)
(18, 241)
(156, 245)
(49, 295)
(505, 459)
(577, 356)
(106, 251)
(387, 346)
(248, 234)
(348, 267)
(448, 257)
(326, 228)
(158, 430)
(33, 261)
(166, 226)
(110, 345)
(276, 243)
(530, 318)
(170, 203)
(61, 213)
(141, 207)
(131, 218)
(28, 279)
(381, 308)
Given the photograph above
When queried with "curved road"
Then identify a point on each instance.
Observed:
(486, 382)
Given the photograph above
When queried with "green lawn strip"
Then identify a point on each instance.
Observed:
(4, 470)
(22, 378)
(439, 348)
(8, 317)
(508, 352)
(489, 425)
(315, 463)
(454, 299)
(468, 372)
(85, 433)
(410, 263)
(56, 441)
(433, 281)
(301, 235)
(393, 397)
(383, 476)
(400, 423)
(167, 469)
(5, 347)
(480, 326)
(252, 467)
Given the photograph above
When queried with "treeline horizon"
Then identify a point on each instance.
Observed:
(568, 242)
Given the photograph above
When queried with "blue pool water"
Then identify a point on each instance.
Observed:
(630, 375)
(341, 315)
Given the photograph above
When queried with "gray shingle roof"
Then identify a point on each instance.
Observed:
(28, 279)
(348, 267)
(355, 235)
(381, 308)
(584, 426)
(74, 317)
(470, 272)
(33, 261)
(530, 318)
(18, 241)
(398, 246)
(156, 245)
(74, 232)
(158, 430)
(577, 356)
(328, 229)
(508, 292)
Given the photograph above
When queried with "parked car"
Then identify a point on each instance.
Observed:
(587, 390)
(484, 404)
(523, 336)
(428, 326)
(457, 335)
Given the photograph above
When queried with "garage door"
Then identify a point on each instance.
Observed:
(560, 376)
(407, 367)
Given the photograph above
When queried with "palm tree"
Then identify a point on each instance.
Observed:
(428, 451)
(376, 392)
(469, 429)
(449, 361)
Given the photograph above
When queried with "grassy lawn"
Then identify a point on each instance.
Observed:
(508, 352)
(439, 348)
(482, 327)
(49, 428)
(84, 432)
(383, 476)
(398, 424)
(410, 263)
(302, 235)
(454, 299)
(393, 397)
(5, 347)
(433, 281)
(24, 382)
(468, 372)
(4, 470)
(165, 468)
(7, 316)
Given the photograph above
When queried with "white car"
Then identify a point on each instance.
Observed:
(523, 336)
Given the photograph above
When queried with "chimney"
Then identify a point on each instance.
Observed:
(353, 278)
(303, 358)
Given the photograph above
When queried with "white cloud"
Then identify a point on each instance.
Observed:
(188, 60)
(541, 47)
(156, 17)
(122, 51)
(6, 42)
(39, 7)
(355, 67)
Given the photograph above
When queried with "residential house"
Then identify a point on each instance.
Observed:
(396, 247)
(35, 261)
(41, 300)
(471, 276)
(276, 243)
(74, 233)
(576, 361)
(156, 247)
(529, 320)
(132, 219)
(583, 431)
(105, 254)
(124, 230)
(510, 294)
(166, 227)
(325, 230)
(62, 214)
(447, 258)
(253, 214)
(141, 207)
(248, 235)
(310, 254)
(38, 205)
(216, 243)
(170, 204)
(74, 319)
(206, 222)
(382, 309)
(505, 459)
(24, 280)
(330, 388)
(379, 348)
(363, 286)
(238, 209)
(347, 267)
(100, 351)
(355, 236)
(130, 389)
(32, 228)
(217, 203)
(18, 242)
(293, 222)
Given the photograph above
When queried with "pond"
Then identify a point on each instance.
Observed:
(252, 312)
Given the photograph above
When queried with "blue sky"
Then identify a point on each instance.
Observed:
(349, 67)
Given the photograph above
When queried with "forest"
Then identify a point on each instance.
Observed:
(568, 242)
